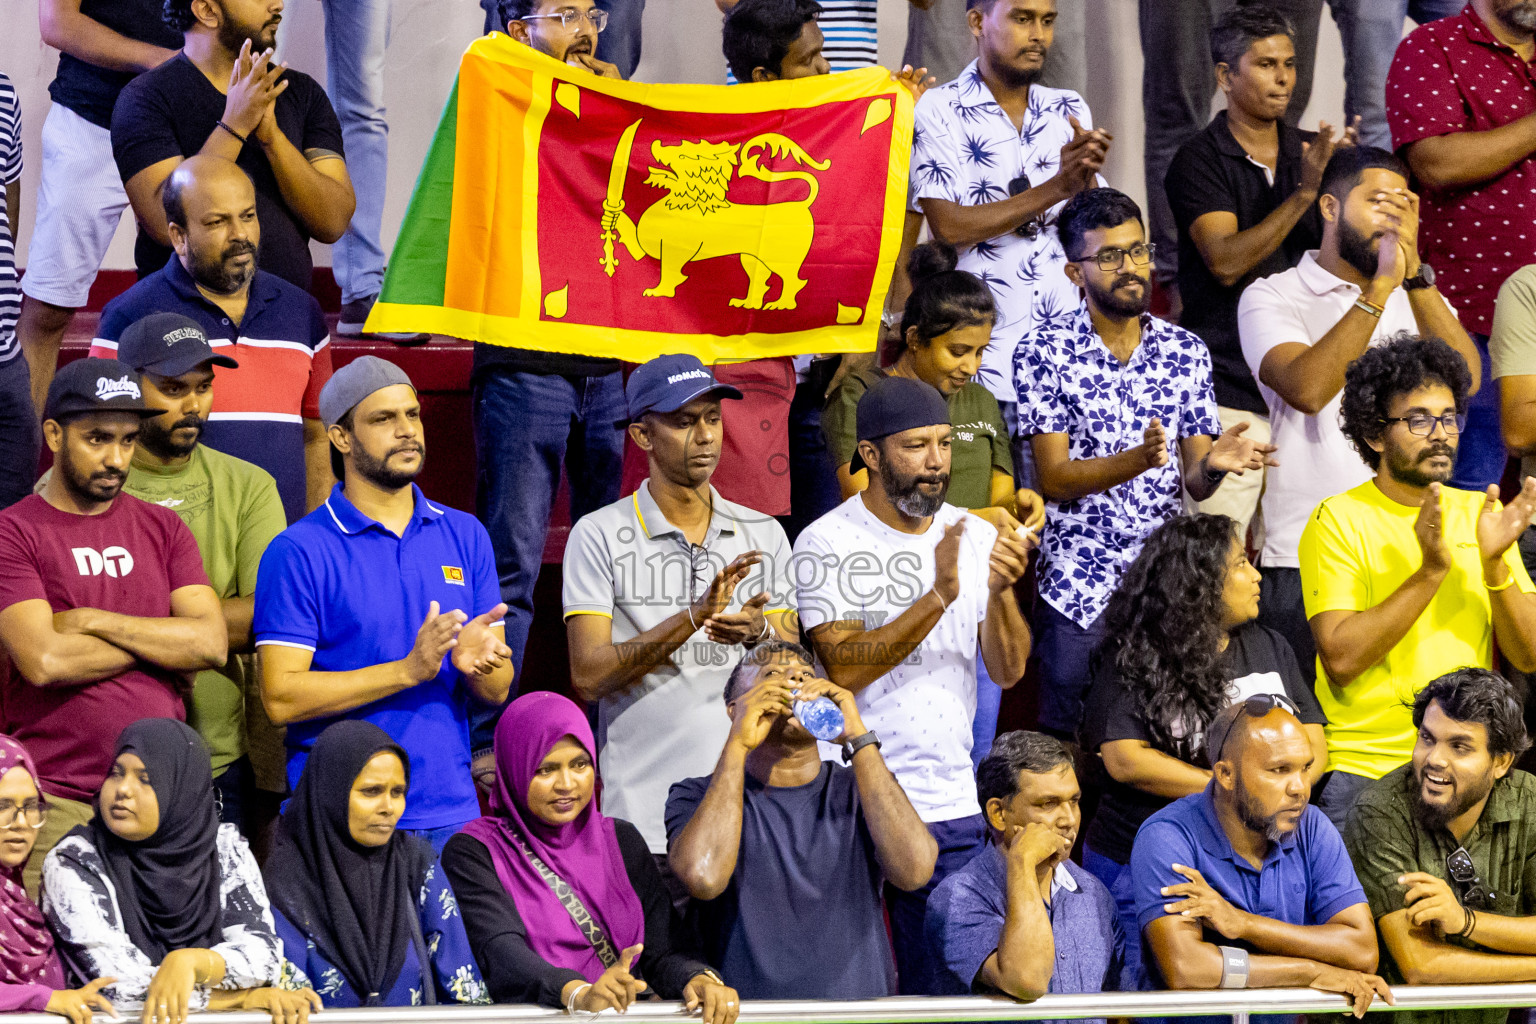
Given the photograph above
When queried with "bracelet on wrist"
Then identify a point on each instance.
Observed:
(1466, 932)
(1509, 581)
(943, 604)
(570, 1004)
(242, 138)
(1370, 307)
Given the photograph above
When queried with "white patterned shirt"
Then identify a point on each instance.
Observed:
(965, 150)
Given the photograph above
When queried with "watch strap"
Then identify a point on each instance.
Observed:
(858, 743)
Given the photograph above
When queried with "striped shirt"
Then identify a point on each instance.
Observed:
(283, 349)
(849, 28)
(10, 171)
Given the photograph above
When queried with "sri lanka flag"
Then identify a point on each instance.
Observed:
(570, 213)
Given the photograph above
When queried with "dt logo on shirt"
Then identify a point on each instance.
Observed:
(453, 574)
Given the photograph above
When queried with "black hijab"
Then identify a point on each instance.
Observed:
(358, 904)
(168, 885)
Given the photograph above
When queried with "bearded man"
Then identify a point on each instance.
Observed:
(898, 593)
(1106, 394)
(1441, 845)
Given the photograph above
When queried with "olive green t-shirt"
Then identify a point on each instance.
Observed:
(233, 510)
(979, 443)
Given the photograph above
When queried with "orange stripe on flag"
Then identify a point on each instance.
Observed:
(485, 263)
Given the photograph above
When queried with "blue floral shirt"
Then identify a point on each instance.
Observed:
(965, 150)
(1069, 383)
(458, 976)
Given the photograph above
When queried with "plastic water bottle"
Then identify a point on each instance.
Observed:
(821, 717)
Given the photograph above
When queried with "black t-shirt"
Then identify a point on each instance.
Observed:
(91, 91)
(1213, 173)
(503, 359)
(170, 112)
(806, 884)
(1257, 660)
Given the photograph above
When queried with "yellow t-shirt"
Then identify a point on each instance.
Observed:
(1357, 549)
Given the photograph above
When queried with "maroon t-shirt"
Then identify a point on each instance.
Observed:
(1454, 75)
(127, 560)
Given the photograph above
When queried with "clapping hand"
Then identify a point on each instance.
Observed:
(1427, 528)
(478, 651)
(1498, 528)
(743, 627)
(1232, 452)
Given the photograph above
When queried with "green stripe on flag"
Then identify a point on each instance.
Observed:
(418, 266)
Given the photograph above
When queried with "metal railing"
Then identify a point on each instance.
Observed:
(917, 1010)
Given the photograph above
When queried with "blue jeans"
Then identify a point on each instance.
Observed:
(619, 43)
(19, 437)
(1065, 649)
(1481, 456)
(959, 840)
(1337, 797)
(527, 425)
(356, 36)
(1117, 879)
(989, 701)
(439, 836)
(1371, 30)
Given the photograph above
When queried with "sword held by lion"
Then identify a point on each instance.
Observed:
(695, 220)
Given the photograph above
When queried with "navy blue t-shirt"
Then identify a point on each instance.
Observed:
(801, 917)
(91, 91)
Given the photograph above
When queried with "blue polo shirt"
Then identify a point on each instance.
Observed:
(282, 346)
(1305, 879)
(343, 586)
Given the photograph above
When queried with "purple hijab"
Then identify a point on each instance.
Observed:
(584, 852)
(27, 956)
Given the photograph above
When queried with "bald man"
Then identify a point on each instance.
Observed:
(268, 410)
(1247, 885)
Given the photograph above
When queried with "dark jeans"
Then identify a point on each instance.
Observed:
(959, 840)
(233, 787)
(813, 490)
(1481, 456)
(1281, 609)
(527, 425)
(1177, 85)
(19, 437)
(1337, 794)
(1117, 879)
(1064, 648)
(619, 43)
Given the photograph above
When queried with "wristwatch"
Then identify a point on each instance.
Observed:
(1425, 278)
(858, 743)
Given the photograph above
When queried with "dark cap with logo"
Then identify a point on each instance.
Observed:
(95, 385)
(894, 404)
(667, 383)
(167, 344)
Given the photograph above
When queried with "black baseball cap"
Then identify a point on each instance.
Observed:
(167, 344)
(95, 385)
(667, 383)
(894, 404)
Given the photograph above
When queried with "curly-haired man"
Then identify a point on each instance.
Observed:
(1405, 578)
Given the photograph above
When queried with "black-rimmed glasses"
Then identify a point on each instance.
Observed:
(1109, 260)
(1257, 706)
(1463, 872)
(1423, 424)
(570, 17)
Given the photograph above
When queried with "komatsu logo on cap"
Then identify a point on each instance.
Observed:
(689, 375)
(182, 334)
(109, 389)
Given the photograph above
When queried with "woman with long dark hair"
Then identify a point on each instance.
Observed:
(1182, 645)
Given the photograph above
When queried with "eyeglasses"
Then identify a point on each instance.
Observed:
(1464, 873)
(31, 814)
(571, 17)
(1113, 259)
(1423, 424)
(1257, 706)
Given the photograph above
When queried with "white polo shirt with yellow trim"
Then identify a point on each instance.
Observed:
(626, 561)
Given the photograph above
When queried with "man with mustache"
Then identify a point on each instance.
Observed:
(222, 96)
(900, 593)
(1021, 918)
(105, 609)
(1404, 577)
(1246, 885)
(1300, 330)
(566, 30)
(1442, 845)
(383, 606)
(276, 332)
(233, 510)
(1462, 111)
(1100, 393)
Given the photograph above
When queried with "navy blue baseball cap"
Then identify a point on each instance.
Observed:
(95, 385)
(892, 405)
(667, 383)
(168, 345)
